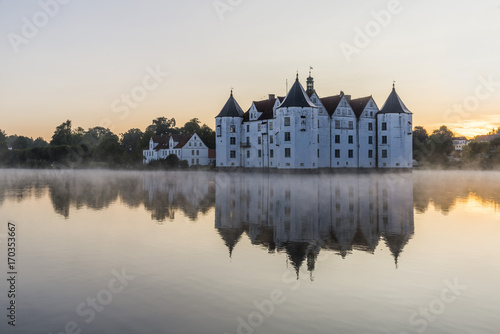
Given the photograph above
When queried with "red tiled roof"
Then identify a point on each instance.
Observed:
(183, 140)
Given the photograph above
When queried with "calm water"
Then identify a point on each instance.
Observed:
(119, 252)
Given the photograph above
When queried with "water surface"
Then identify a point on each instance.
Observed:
(253, 253)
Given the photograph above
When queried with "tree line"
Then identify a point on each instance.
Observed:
(436, 150)
(95, 147)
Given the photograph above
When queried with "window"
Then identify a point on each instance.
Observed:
(351, 154)
(384, 154)
(288, 152)
(260, 153)
(259, 140)
(270, 125)
(192, 161)
(370, 140)
(194, 144)
(192, 152)
(318, 152)
(287, 121)
(337, 154)
(384, 139)
(351, 125)
(384, 126)
(219, 134)
(197, 152)
(232, 129)
(232, 140)
(337, 139)
(197, 161)
(271, 139)
(248, 127)
(271, 153)
(248, 154)
(232, 154)
(351, 139)
(370, 154)
(337, 124)
(287, 136)
(259, 127)
(370, 126)
(248, 141)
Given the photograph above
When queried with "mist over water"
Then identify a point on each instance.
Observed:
(205, 247)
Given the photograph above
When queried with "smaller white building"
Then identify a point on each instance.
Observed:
(186, 147)
(459, 143)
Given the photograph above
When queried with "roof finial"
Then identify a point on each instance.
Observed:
(394, 84)
(297, 79)
(310, 69)
(232, 91)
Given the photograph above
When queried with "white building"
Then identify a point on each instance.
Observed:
(304, 131)
(459, 143)
(186, 147)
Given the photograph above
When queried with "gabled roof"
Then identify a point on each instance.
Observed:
(394, 105)
(266, 107)
(359, 105)
(331, 103)
(163, 142)
(297, 97)
(183, 141)
(231, 108)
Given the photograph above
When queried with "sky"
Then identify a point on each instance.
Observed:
(122, 63)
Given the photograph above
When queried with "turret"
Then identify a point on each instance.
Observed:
(394, 134)
(228, 131)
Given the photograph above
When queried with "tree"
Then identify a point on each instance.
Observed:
(62, 135)
(420, 138)
(443, 140)
(39, 142)
(420, 134)
(3, 141)
(207, 135)
(191, 127)
(22, 143)
(130, 140)
(103, 143)
(163, 125)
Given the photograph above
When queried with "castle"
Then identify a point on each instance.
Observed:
(304, 131)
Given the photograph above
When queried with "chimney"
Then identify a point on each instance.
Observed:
(272, 96)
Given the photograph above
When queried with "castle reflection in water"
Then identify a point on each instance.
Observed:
(297, 214)
(302, 214)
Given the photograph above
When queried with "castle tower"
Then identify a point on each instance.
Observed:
(228, 131)
(394, 134)
(297, 119)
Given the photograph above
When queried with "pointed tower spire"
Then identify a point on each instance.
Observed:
(231, 108)
(394, 105)
(297, 97)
